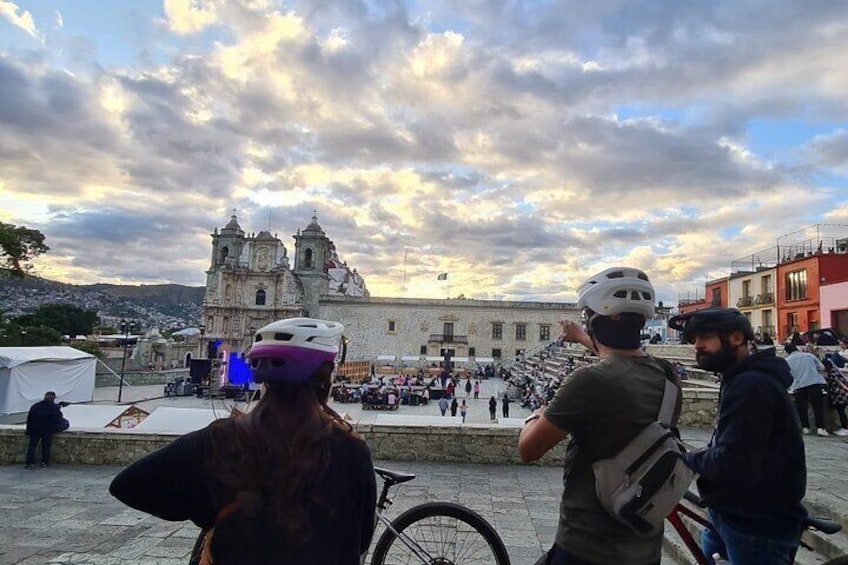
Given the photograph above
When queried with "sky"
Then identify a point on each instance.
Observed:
(518, 146)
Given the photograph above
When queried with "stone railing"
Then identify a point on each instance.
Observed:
(469, 443)
(139, 378)
(480, 444)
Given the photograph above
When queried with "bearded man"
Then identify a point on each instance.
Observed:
(753, 473)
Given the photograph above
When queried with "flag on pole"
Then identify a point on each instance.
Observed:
(442, 277)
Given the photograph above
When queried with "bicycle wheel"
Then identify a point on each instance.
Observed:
(447, 533)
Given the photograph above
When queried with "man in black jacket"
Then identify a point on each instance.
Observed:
(753, 474)
(43, 421)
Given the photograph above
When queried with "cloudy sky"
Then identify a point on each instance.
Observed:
(519, 146)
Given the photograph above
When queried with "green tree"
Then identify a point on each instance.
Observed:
(89, 347)
(39, 335)
(64, 318)
(105, 330)
(19, 245)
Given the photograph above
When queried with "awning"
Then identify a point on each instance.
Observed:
(411, 358)
(385, 357)
(434, 358)
(484, 359)
(459, 359)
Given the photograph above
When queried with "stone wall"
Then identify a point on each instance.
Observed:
(140, 378)
(460, 444)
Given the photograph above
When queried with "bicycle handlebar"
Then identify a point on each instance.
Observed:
(694, 499)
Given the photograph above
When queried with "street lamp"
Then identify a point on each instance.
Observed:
(126, 328)
(23, 337)
(202, 333)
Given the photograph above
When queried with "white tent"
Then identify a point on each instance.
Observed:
(182, 420)
(26, 373)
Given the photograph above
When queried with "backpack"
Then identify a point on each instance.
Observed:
(643, 482)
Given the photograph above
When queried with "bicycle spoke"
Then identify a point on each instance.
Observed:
(446, 540)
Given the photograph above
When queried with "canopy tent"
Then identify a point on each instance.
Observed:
(182, 420)
(26, 373)
(434, 358)
(484, 359)
(93, 416)
(385, 357)
(410, 358)
(460, 359)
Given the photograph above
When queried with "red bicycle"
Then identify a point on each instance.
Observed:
(692, 507)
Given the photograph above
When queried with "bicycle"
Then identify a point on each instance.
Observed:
(433, 533)
(692, 507)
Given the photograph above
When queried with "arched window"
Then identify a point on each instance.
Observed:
(260, 297)
(307, 259)
(225, 252)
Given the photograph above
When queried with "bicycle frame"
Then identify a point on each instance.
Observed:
(380, 516)
(677, 523)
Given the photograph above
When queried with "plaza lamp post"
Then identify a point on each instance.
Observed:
(23, 337)
(126, 328)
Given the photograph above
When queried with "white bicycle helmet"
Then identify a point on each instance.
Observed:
(292, 350)
(618, 290)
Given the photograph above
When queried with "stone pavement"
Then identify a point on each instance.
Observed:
(64, 514)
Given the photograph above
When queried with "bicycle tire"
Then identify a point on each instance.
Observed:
(437, 527)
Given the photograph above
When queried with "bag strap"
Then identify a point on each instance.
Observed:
(669, 402)
(206, 549)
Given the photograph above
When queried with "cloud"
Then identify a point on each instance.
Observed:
(189, 16)
(521, 147)
(22, 19)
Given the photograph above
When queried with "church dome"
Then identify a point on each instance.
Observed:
(233, 225)
(313, 226)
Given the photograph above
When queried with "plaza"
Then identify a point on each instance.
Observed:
(65, 515)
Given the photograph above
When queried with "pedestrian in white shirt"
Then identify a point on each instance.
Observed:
(808, 382)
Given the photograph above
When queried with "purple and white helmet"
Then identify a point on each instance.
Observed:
(291, 350)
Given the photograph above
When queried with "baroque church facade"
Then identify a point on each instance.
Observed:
(252, 281)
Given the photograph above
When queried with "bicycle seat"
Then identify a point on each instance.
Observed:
(393, 477)
(822, 524)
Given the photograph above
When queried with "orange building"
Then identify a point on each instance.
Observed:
(799, 291)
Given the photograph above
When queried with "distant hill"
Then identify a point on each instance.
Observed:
(163, 306)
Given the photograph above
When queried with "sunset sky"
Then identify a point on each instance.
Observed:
(519, 146)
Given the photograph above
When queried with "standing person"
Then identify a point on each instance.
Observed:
(43, 420)
(753, 474)
(468, 388)
(602, 407)
(837, 394)
(443, 404)
(453, 406)
(493, 406)
(505, 405)
(287, 482)
(808, 384)
(463, 410)
(476, 390)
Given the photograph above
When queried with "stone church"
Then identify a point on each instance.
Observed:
(251, 282)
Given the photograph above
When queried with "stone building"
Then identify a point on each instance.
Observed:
(251, 282)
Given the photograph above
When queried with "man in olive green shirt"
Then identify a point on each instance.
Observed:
(602, 407)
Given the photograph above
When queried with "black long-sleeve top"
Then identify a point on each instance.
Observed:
(754, 471)
(43, 418)
(173, 483)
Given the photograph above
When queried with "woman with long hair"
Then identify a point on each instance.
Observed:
(288, 482)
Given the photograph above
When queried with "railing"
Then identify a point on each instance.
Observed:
(449, 338)
(764, 298)
(745, 302)
(766, 330)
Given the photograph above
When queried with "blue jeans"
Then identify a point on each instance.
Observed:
(745, 549)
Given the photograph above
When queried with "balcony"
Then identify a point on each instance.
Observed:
(764, 299)
(448, 338)
(745, 302)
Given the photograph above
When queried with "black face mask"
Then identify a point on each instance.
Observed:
(717, 362)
